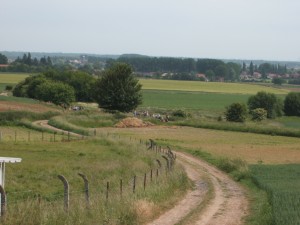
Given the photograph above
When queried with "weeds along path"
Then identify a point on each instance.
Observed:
(216, 198)
(44, 123)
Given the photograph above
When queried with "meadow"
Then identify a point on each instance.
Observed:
(35, 193)
(12, 78)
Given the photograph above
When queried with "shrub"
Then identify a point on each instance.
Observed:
(179, 113)
(236, 112)
(292, 104)
(258, 114)
(8, 87)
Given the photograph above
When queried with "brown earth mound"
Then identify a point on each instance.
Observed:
(132, 122)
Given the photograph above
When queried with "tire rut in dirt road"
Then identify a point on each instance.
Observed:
(228, 206)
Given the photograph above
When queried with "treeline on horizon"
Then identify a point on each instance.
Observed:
(145, 66)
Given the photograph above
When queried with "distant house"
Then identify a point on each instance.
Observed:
(257, 75)
(201, 76)
(4, 65)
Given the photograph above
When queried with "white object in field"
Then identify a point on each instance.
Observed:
(4, 160)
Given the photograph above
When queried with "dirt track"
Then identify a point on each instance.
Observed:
(44, 123)
(227, 206)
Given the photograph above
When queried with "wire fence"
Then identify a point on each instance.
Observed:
(109, 190)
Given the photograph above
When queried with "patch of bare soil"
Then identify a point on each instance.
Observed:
(228, 206)
(132, 122)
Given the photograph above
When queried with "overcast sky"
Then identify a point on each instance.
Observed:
(227, 29)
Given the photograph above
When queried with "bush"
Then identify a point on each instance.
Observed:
(292, 104)
(267, 101)
(179, 113)
(258, 114)
(236, 112)
(8, 87)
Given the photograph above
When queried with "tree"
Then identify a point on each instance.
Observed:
(236, 112)
(251, 68)
(292, 104)
(267, 101)
(55, 92)
(277, 80)
(3, 59)
(118, 89)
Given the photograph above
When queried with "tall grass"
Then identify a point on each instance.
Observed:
(15, 117)
(102, 160)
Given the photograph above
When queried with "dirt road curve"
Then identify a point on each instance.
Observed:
(44, 123)
(227, 206)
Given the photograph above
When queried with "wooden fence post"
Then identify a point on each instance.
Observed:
(15, 136)
(86, 188)
(107, 190)
(134, 183)
(66, 192)
(168, 163)
(145, 180)
(121, 188)
(3, 201)
(151, 175)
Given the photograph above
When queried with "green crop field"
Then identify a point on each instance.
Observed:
(283, 185)
(218, 87)
(215, 102)
(12, 78)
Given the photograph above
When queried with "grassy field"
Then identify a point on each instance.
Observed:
(108, 158)
(12, 78)
(253, 148)
(213, 102)
(283, 185)
(216, 87)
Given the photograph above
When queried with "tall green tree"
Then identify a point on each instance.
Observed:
(118, 89)
(268, 101)
(292, 104)
(251, 68)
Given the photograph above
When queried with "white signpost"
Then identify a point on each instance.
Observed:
(4, 160)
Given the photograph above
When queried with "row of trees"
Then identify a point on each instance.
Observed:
(184, 68)
(264, 105)
(117, 89)
(61, 88)
(265, 68)
(27, 60)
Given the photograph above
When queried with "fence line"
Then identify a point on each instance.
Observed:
(144, 179)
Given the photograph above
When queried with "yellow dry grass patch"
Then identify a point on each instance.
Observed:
(253, 148)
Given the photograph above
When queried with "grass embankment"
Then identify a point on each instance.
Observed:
(101, 160)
